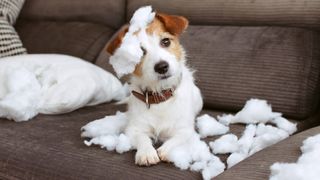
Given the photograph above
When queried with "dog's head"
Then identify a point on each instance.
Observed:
(161, 65)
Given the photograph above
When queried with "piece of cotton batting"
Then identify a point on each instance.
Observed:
(284, 124)
(119, 143)
(244, 145)
(129, 54)
(255, 111)
(107, 141)
(109, 125)
(141, 18)
(225, 144)
(306, 168)
(266, 135)
(193, 150)
(209, 126)
(213, 168)
(123, 144)
(195, 155)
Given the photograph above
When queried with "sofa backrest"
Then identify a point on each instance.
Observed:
(107, 12)
(74, 27)
(251, 49)
(296, 13)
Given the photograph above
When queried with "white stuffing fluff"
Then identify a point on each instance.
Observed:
(195, 155)
(119, 143)
(225, 144)
(52, 84)
(108, 133)
(209, 126)
(306, 168)
(254, 111)
(129, 54)
(244, 145)
(284, 124)
(266, 135)
(109, 125)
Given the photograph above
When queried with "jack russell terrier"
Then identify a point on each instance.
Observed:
(164, 100)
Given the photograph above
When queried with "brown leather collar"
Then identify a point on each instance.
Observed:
(150, 97)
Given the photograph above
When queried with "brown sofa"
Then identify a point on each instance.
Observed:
(240, 49)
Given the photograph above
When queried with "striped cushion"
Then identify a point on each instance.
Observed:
(10, 43)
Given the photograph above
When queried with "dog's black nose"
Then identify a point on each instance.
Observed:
(161, 67)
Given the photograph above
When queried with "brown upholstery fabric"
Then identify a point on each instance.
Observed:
(81, 39)
(237, 63)
(107, 12)
(298, 13)
(257, 166)
(50, 147)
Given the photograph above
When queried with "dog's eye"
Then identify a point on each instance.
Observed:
(165, 42)
(144, 50)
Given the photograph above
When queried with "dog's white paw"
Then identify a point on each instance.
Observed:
(147, 157)
(163, 153)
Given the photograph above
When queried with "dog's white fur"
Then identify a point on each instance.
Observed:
(171, 121)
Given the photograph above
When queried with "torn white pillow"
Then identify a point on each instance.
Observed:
(52, 84)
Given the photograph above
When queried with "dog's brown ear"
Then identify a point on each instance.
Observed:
(116, 40)
(174, 24)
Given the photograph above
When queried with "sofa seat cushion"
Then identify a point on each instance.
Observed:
(51, 147)
(234, 64)
(80, 39)
(258, 165)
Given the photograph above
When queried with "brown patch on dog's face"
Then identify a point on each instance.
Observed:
(169, 27)
(175, 25)
(138, 70)
(117, 40)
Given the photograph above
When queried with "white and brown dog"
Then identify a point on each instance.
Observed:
(164, 100)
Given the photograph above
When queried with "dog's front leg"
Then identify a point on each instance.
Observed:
(177, 139)
(146, 154)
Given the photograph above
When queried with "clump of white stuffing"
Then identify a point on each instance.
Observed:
(266, 135)
(195, 155)
(108, 133)
(254, 111)
(119, 143)
(284, 124)
(129, 54)
(225, 144)
(209, 126)
(306, 168)
(109, 125)
(244, 145)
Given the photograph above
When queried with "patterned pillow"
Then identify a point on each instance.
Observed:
(10, 43)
